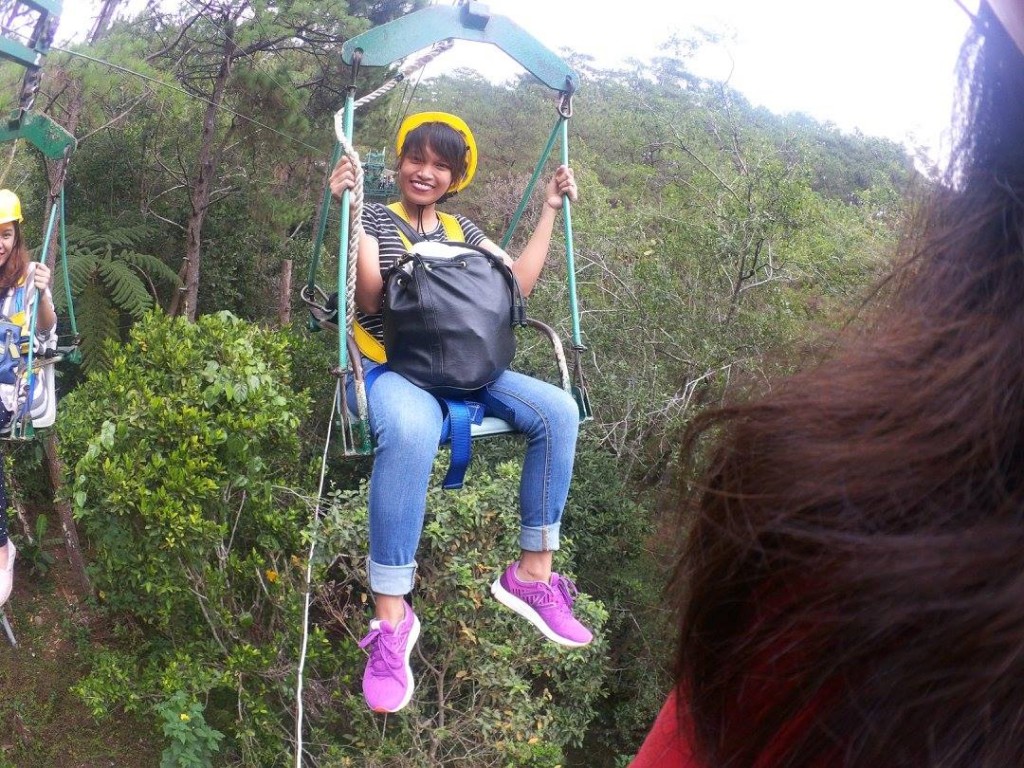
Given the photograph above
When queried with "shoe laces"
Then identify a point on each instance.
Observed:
(568, 590)
(386, 653)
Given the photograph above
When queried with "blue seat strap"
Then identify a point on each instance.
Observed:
(456, 430)
(477, 411)
(459, 416)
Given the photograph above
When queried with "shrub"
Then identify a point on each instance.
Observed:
(183, 454)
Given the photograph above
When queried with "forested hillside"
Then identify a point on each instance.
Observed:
(716, 245)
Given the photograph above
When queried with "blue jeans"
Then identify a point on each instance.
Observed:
(406, 423)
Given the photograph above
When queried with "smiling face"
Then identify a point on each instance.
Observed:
(433, 159)
(8, 241)
(423, 176)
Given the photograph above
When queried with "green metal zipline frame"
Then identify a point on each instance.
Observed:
(389, 43)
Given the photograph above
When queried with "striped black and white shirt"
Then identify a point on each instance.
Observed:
(379, 225)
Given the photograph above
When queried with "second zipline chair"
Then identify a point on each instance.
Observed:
(56, 145)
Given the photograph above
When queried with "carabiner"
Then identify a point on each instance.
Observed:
(565, 104)
(357, 57)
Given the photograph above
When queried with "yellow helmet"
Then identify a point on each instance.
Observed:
(415, 121)
(10, 207)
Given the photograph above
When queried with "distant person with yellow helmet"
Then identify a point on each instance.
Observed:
(437, 156)
(17, 276)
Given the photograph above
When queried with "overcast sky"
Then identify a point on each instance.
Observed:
(884, 67)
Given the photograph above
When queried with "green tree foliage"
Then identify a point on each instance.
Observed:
(382, 11)
(488, 692)
(224, 53)
(710, 235)
(110, 280)
(196, 541)
(704, 238)
(192, 743)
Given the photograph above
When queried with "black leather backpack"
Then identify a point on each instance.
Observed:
(449, 313)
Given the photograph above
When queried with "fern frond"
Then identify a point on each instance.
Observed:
(81, 269)
(151, 266)
(126, 236)
(133, 235)
(97, 322)
(127, 291)
(83, 237)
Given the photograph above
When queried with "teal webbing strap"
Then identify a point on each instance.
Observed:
(533, 182)
(64, 267)
(325, 210)
(38, 294)
(570, 259)
(343, 245)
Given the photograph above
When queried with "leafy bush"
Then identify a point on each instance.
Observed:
(624, 559)
(192, 741)
(183, 452)
(184, 455)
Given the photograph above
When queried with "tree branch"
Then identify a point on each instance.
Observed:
(115, 119)
(170, 46)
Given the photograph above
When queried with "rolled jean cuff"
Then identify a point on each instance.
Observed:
(391, 579)
(541, 539)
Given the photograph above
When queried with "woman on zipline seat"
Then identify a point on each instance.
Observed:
(15, 273)
(437, 157)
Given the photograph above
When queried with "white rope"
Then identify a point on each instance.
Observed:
(356, 194)
(404, 72)
(309, 580)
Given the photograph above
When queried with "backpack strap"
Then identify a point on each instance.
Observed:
(453, 232)
(405, 229)
(460, 415)
(369, 345)
(13, 305)
(452, 229)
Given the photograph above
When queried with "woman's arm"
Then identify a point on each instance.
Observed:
(369, 284)
(528, 266)
(46, 317)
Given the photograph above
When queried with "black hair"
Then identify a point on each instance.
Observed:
(851, 588)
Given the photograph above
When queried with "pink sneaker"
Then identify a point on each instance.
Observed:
(7, 573)
(547, 606)
(387, 680)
